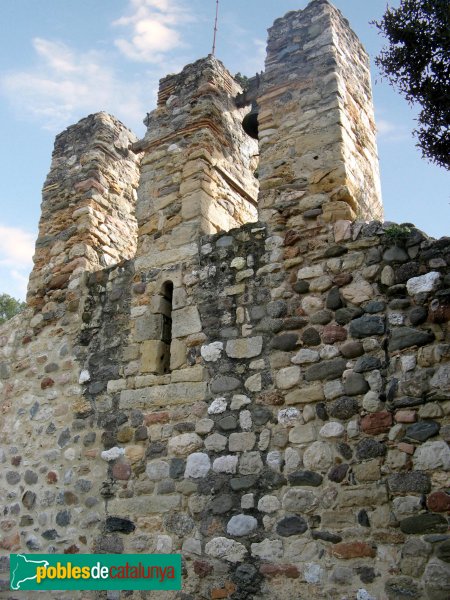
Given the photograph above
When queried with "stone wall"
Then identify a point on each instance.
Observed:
(271, 398)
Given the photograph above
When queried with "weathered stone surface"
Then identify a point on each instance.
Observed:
(303, 434)
(352, 349)
(311, 337)
(331, 430)
(443, 551)
(225, 464)
(366, 326)
(326, 370)
(437, 580)
(288, 377)
(241, 442)
(414, 481)
(338, 473)
(285, 342)
(318, 456)
(425, 523)
(333, 333)
(404, 337)
(418, 315)
(221, 504)
(334, 300)
(425, 283)
(347, 550)
(269, 550)
(198, 465)
(370, 448)
(300, 501)
(432, 455)
(398, 588)
(439, 501)
(358, 291)
(305, 394)
(245, 347)
(212, 352)
(441, 379)
(241, 525)
(293, 525)
(175, 393)
(344, 408)
(367, 363)
(364, 495)
(226, 549)
(119, 524)
(268, 504)
(355, 384)
(216, 442)
(184, 444)
(305, 478)
(376, 423)
(224, 383)
(422, 430)
(186, 321)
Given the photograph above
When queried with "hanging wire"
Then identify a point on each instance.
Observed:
(215, 28)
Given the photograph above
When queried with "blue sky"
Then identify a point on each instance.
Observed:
(63, 59)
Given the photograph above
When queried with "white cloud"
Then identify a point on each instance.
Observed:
(153, 29)
(16, 252)
(65, 85)
(16, 246)
(391, 132)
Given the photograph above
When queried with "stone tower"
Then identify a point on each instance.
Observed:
(244, 365)
(317, 134)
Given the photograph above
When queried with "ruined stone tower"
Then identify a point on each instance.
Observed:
(227, 354)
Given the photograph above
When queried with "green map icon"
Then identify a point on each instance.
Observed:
(23, 569)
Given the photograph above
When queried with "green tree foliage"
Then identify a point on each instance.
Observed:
(417, 62)
(9, 307)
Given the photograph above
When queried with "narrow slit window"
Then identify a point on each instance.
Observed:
(166, 337)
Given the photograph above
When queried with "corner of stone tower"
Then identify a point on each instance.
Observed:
(87, 219)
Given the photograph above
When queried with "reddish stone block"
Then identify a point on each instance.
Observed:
(225, 592)
(342, 279)
(46, 383)
(91, 453)
(348, 550)
(202, 568)
(334, 333)
(270, 570)
(89, 184)
(291, 252)
(10, 542)
(7, 525)
(73, 549)
(58, 281)
(121, 470)
(406, 416)
(291, 237)
(156, 417)
(439, 502)
(406, 448)
(376, 423)
(52, 477)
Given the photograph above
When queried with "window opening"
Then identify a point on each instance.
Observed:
(166, 336)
